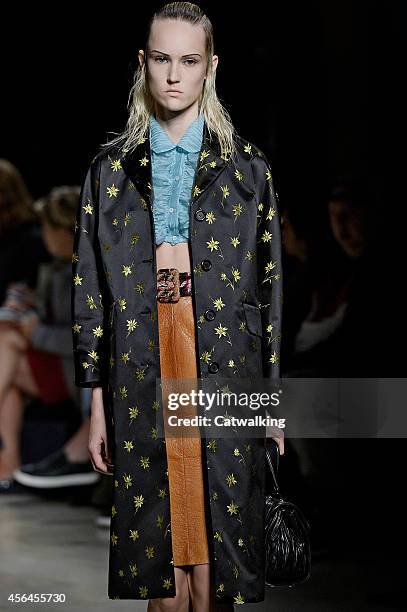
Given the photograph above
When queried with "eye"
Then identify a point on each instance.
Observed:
(159, 58)
(191, 60)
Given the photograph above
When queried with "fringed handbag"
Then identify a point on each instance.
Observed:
(288, 551)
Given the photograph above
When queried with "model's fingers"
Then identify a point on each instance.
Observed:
(95, 451)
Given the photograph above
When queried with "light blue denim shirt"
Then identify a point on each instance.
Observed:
(173, 170)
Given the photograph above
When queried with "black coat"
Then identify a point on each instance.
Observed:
(235, 253)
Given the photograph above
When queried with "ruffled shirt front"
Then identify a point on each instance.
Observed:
(173, 170)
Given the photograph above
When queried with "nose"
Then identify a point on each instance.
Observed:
(173, 76)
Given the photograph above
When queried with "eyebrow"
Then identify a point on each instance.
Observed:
(162, 53)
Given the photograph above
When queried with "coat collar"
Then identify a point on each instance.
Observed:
(137, 166)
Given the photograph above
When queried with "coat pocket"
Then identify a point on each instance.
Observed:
(253, 319)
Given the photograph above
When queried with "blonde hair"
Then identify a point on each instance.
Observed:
(141, 102)
(15, 199)
(58, 208)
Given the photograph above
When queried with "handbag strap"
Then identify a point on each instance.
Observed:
(270, 462)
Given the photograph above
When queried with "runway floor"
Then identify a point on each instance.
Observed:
(51, 546)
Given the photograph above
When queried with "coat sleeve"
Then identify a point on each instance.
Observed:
(269, 265)
(88, 303)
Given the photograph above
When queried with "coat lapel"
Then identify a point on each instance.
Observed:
(137, 165)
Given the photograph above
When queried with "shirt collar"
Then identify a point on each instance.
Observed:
(191, 141)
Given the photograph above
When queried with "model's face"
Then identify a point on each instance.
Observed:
(58, 241)
(348, 227)
(176, 59)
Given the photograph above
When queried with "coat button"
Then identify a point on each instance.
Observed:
(209, 315)
(206, 265)
(213, 367)
(199, 215)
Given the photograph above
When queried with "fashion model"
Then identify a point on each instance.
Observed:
(177, 276)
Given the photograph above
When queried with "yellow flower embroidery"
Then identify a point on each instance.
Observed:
(138, 501)
(237, 209)
(91, 302)
(98, 331)
(266, 237)
(274, 358)
(123, 392)
(143, 590)
(145, 462)
(271, 213)
(218, 303)
(213, 244)
(231, 480)
(220, 330)
(132, 324)
(112, 191)
(133, 412)
(126, 270)
(149, 552)
(127, 480)
(116, 165)
(133, 569)
(218, 536)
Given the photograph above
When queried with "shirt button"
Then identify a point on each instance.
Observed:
(177, 178)
(174, 237)
(171, 209)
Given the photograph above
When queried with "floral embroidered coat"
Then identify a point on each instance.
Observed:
(235, 253)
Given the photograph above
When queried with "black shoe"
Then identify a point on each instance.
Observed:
(56, 471)
(9, 485)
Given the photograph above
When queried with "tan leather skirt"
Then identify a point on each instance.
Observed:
(185, 466)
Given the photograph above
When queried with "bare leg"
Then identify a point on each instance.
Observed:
(179, 603)
(202, 590)
(12, 346)
(15, 378)
(11, 417)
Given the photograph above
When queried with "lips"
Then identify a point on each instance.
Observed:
(173, 91)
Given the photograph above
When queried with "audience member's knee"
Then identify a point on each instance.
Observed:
(13, 338)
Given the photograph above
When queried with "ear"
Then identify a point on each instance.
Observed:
(141, 57)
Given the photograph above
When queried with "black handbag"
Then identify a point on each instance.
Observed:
(288, 551)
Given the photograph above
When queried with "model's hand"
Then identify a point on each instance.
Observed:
(28, 323)
(278, 437)
(98, 445)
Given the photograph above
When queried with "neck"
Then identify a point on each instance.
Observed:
(176, 124)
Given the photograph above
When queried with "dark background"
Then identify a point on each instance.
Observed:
(293, 75)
